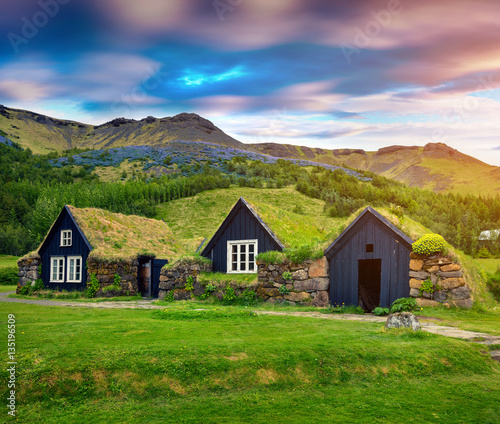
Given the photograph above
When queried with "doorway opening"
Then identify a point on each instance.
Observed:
(145, 276)
(369, 278)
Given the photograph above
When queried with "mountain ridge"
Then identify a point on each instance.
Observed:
(434, 166)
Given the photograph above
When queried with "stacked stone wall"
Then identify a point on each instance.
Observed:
(308, 284)
(174, 280)
(448, 284)
(29, 271)
(105, 274)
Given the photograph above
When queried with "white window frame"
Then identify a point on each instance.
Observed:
(66, 238)
(68, 272)
(60, 269)
(239, 243)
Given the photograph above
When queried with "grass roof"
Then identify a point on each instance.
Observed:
(115, 236)
(294, 218)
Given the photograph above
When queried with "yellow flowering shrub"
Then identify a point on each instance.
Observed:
(429, 244)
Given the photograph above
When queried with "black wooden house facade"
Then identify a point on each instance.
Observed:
(369, 263)
(241, 236)
(64, 254)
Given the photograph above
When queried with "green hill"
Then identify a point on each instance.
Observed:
(43, 134)
(435, 166)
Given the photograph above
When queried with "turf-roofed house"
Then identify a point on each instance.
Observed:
(85, 244)
(239, 239)
(369, 262)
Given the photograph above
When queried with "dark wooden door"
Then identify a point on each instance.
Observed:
(369, 279)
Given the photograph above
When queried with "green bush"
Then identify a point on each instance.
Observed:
(272, 257)
(283, 289)
(229, 295)
(403, 304)
(189, 283)
(93, 286)
(302, 253)
(429, 244)
(9, 276)
(248, 297)
(379, 311)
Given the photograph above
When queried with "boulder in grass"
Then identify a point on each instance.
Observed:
(403, 320)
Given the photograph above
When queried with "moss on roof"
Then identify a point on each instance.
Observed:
(116, 236)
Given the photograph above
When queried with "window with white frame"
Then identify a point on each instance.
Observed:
(66, 238)
(56, 270)
(241, 256)
(74, 274)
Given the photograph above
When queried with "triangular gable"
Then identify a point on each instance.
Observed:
(351, 230)
(55, 227)
(241, 203)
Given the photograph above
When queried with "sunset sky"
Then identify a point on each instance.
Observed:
(332, 74)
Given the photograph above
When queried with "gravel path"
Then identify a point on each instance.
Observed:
(430, 327)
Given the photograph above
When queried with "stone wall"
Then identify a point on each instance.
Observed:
(446, 276)
(174, 280)
(309, 282)
(105, 274)
(29, 271)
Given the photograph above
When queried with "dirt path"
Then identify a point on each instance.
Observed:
(430, 327)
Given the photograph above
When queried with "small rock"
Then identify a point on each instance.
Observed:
(426, 302)
(420, 275)
(403, 320)
(451, 283)
(319, 268)
(414, 292)
(440, 296)
(460, 293)
(452, 267)
(416, 264)
(162, 294)
(415, 284)
(299, 275)
(321, 299)
(451, 274)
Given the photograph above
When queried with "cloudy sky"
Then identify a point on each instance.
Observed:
(333, 74)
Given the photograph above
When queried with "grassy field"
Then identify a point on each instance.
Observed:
(488, 265)
(8, 261)
(229, 365)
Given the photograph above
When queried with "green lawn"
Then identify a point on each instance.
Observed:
(229, 365)
(488, 265)
(4, 289)
(8, 261)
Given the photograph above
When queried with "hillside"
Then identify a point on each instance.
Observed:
(435, 166)
(43, 134)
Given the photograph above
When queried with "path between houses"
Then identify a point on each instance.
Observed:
(430, 327)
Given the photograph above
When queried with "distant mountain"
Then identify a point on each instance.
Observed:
(435, 166)
(42, 133)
